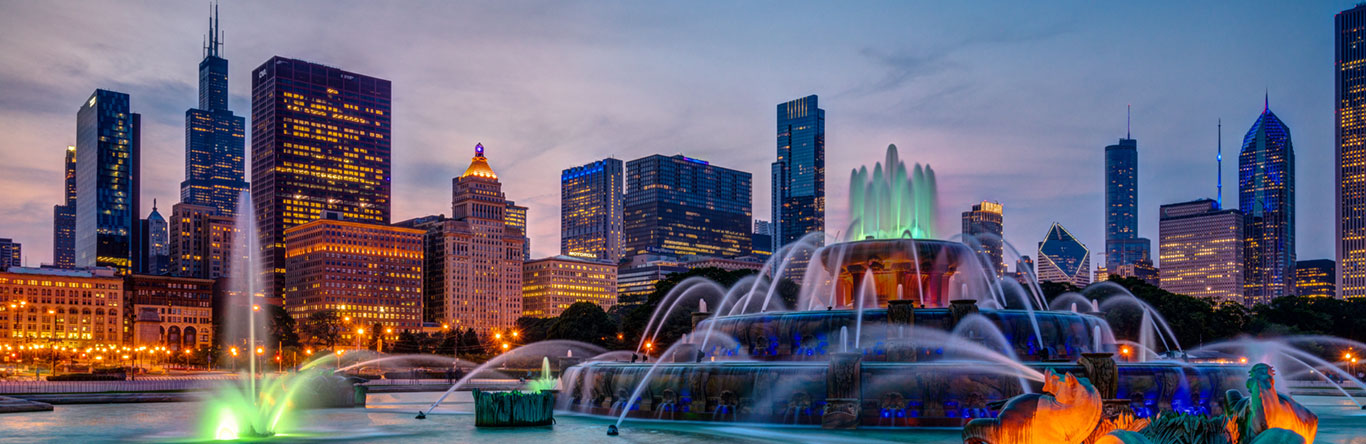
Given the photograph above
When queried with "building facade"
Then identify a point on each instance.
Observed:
(683, 206)
(637, 277)
(984, 224)
(168, 311)
(552, 284)
(156, 242)
(201, 241)
(11, 254)
(1202, 250)
(1122, 244)
(799, 172)
(1266, 195)
(74, 308)
(215, 138)
(1063, 258)
(367, 273)
(474, 258)
(64, 217)
(1350, 86)
(107, 182)
(1316, 278)
(761, 240)
(591, 210)
(320, 141)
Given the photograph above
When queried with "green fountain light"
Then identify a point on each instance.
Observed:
(892, 201)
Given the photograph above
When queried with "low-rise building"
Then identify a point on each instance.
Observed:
(552, 284)
(173, 312)
(70, 308)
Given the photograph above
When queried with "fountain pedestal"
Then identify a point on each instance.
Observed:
(698, 317)
(901, 315)
(843, 391)
(961, 308)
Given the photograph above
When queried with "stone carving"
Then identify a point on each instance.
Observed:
(1102, 372)
(1265, 408)
(1065, 413)
(843, 391)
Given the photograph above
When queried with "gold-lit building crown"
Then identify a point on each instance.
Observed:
(479, 165)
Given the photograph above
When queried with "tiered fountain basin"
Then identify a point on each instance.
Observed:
(926, 357)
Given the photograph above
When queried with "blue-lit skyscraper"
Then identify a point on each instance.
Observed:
(64, 217)
(799, 173)
(1122, 244)
(107, 145)
(683, 206)
(591, 210)
(214, 137)
(1266, 194)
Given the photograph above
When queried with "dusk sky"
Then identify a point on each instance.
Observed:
(1012, 102)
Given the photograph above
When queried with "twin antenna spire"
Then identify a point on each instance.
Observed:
(214, 41)
(1219, 162)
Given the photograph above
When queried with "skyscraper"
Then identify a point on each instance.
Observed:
(11, 254)
(591, 210)
(683, 206)
(1063, 258)
(157, 244)
(1201, 247)
(1122, 244)
(1314, 278)
(214, 136)
(516, 219)
(473, 260)
(985, 225)
(761, 240)
(107, 182)
(201, 241)
(1350, 83)
(1266, 195)
(320, 141)
(64, 218)
(799, 173)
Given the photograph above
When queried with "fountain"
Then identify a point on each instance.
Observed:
(889, 328)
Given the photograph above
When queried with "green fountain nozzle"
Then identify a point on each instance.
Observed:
(611, 430)
(421, 415)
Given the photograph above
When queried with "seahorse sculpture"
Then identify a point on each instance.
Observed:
(1065, 413)
(1266, 409)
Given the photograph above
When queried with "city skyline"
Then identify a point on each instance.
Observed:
(910, 94)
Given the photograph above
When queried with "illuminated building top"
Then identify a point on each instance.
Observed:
(479, 165)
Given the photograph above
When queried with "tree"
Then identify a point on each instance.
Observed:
(282, 328)
(469, 343)
(583, 322)
(375, 331)
(533, 329)
(323, 328)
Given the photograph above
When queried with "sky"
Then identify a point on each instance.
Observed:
(1012, 102)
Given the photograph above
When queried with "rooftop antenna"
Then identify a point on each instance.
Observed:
(1219, 162)
(214, 41)
(1128, 122)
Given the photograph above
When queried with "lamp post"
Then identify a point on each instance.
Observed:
(53, 314)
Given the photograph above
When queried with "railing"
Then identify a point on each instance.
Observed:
(141, 384)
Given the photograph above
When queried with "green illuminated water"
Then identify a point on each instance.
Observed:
(892, 201)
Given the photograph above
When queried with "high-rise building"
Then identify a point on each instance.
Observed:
(516, 219)
(1024, 271)
(368, 273)
(591, 210)
(201, 241)
(683, 206)
(168, 311)
(156, 248)
(215, 137)
(320, 141)
(64, 218)
(11, 254)
(1202, 250)
(1063, 258)
(552, 284)
(761, 240)
(1315, 278)
(799, 173)
(985, 225)
(1266, 195)
(1122, 244)
(107, 182)
(1350, 83)
(473, 276)
(76, 308)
